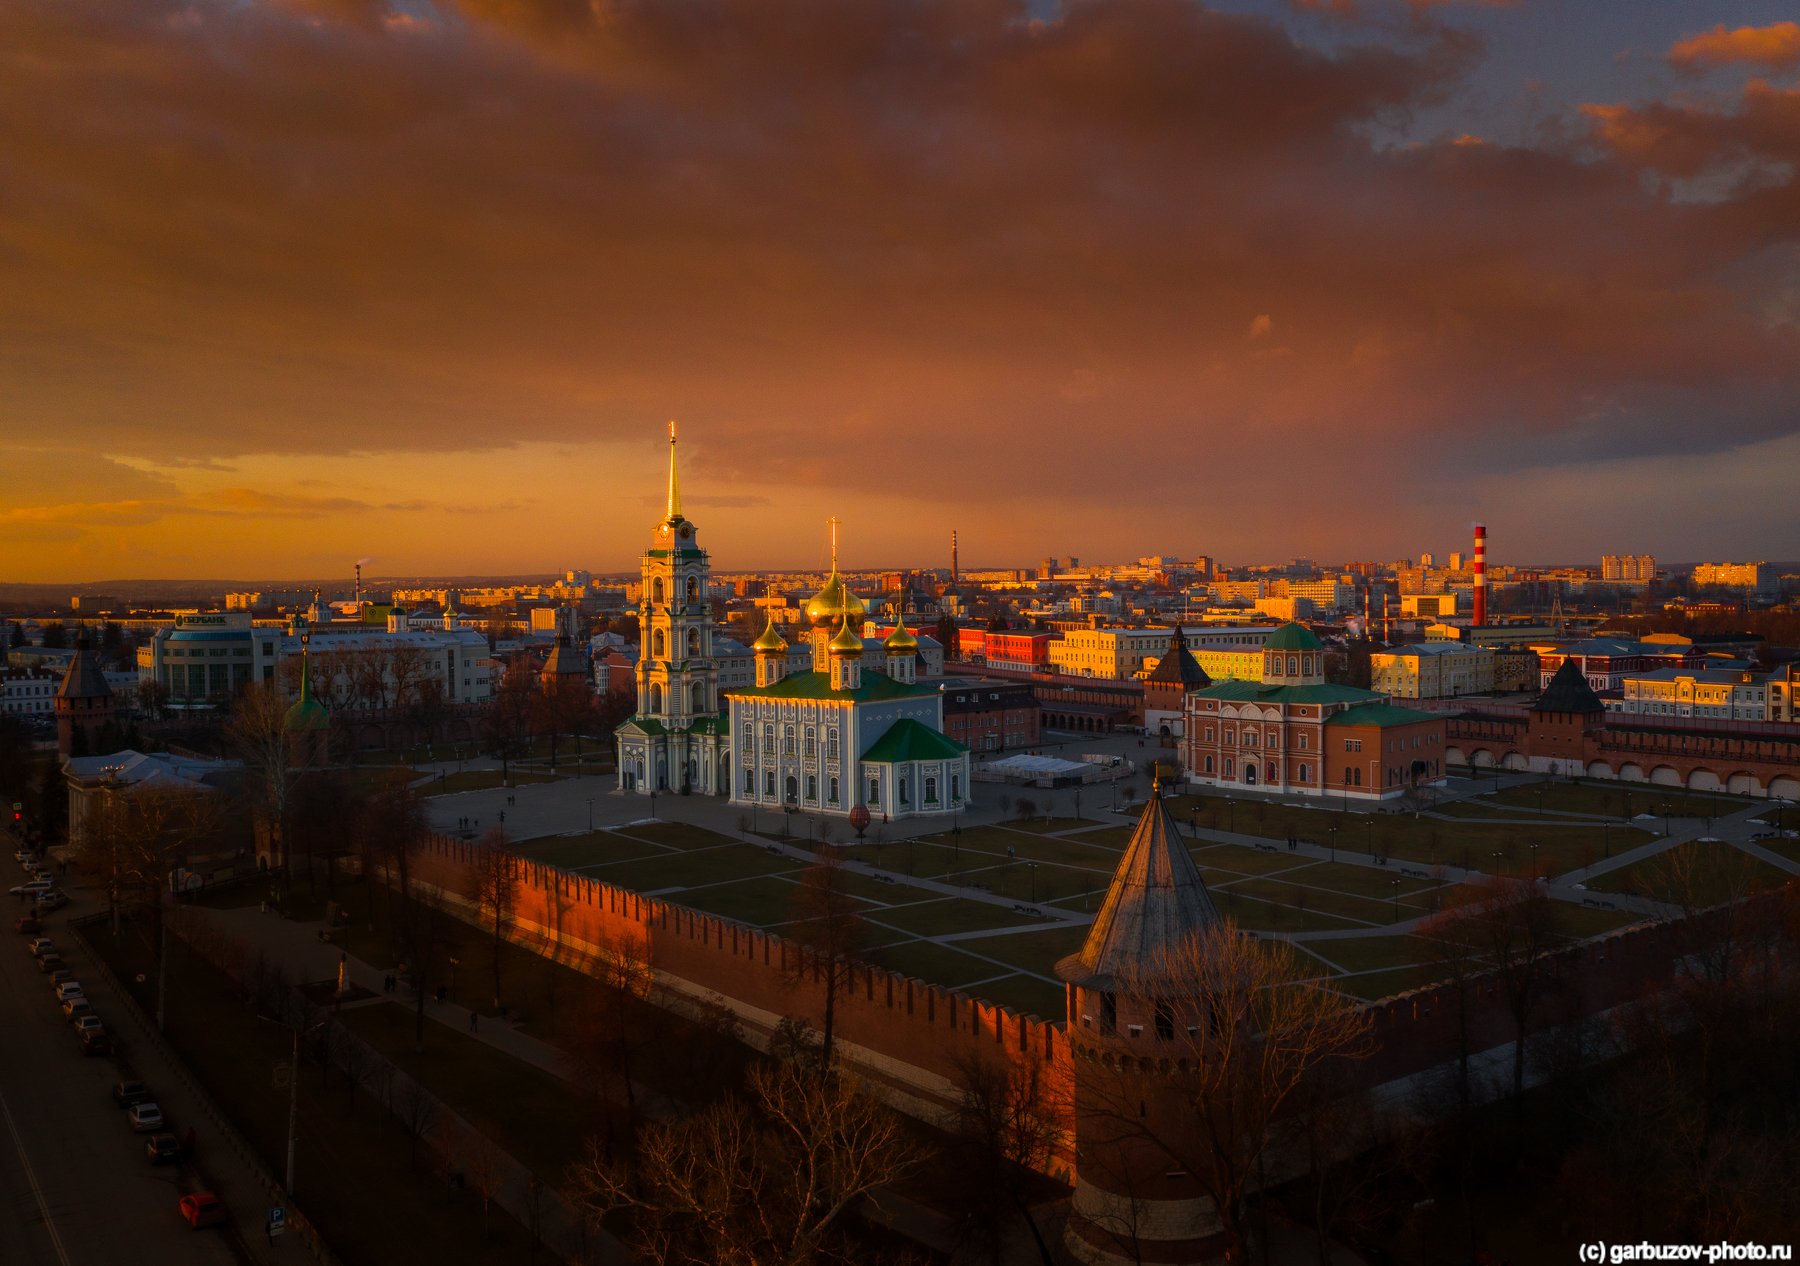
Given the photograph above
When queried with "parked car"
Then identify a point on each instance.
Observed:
(129, 1093)
(36, 888)
(162, 1148)
(145, 1117)
(52, 966)
(96, 1042)
(203, 1208)
(40, 944)
(87, 1022)
(57, 974)
(53, 900)
(70, 989)
(24, 855)
(27, 923)
(75, 1008)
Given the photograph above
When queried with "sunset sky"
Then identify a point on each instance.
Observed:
(293, 282)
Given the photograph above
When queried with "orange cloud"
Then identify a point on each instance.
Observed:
(245, 241)
(1774, 47)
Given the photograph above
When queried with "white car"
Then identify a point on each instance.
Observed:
(36, 888)
(145, 1117)
(70, 989)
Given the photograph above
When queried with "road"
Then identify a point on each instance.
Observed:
(75, 1187)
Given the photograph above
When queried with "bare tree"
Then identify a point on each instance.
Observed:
(416, 1109)
(484, 1164)
(1516, 929)
(828, 924)
(608, 1025)
(1247, 1030)
(764, 1183)
(257, 731)
(495, 884)
(1010, 1116)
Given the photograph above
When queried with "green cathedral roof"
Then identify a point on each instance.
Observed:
(875, 688)
(907, 740)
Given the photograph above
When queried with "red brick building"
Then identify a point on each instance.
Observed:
(991, 715)
(1294, 733)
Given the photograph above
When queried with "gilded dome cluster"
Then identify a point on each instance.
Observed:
(834, 604)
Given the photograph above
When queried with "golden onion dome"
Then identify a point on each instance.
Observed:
(833, 604)
(769, 640)
(846, 642)
(901, 640)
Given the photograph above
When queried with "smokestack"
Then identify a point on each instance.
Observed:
(953, 556)
(1480, 613)
(1387, 625)
(359, 585)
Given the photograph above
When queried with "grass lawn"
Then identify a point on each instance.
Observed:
(1618, 800)
(1422, 840)
(1695, 873)
(1031, 951)
(1585, 921)
(1026, 995)
(1371, 953)
(937, 918)
(595, 848)
(697, 868)
(1385, 984)
(1041, 827)
(937, 964)
(1295, 894)
(355, 1182)
(1259, 915)
(675, 835)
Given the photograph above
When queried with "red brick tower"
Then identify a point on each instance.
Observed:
(1130, 1204)
(84, 702)
(1565, 720)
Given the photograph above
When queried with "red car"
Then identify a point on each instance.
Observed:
(203, 1208)
(27, 923)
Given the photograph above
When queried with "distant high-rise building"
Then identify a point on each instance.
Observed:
(1758, 577)
(1427, 559)
(1456, 562)
(1630, 569)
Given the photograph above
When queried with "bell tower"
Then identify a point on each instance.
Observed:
(677, 680)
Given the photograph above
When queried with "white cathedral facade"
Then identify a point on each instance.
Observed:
(824, 741)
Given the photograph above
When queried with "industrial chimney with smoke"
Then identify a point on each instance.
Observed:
(1480, 612)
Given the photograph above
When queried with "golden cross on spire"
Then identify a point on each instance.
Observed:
(674, 487)
(832, 523)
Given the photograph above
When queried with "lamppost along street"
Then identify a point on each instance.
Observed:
(1396, 884)
(293, 1075)
(590, 813)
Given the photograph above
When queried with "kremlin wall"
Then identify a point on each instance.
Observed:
(908, 1036)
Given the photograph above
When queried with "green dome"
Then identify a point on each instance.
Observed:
(1292, 637)
(307, 716)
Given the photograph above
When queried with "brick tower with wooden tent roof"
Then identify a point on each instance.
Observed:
(84, 703)
(1131, 1204)
(1168, 685)
(1566, 718)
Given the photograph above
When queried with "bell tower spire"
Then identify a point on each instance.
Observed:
(674, 485)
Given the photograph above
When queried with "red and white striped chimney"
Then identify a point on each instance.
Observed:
(1480, 612)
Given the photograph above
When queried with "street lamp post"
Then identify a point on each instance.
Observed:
(1333, 830)
(1496, 857)
(1031, 872)
(590, 814)
(298, 1030)
(1396, 886)
(1534, 859)
(1371, 839)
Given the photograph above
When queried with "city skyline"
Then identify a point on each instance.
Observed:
(289, 284)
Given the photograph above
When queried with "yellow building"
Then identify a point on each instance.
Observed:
(1120, 654)
(1432, 670)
